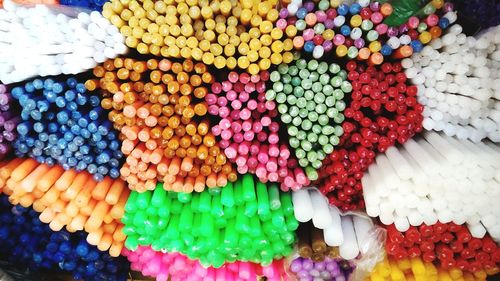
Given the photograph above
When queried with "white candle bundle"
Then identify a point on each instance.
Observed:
(436, 178)
(39, 41)
(348, 232)
(458, 79)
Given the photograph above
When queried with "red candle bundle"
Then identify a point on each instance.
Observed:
(450, 244)
(381, 111)
(249, 134)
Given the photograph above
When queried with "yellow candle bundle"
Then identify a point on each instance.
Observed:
(416, 269)
(227, 33)
(69, 198)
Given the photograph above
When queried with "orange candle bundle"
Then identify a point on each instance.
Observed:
(69, 198)
(153, 104)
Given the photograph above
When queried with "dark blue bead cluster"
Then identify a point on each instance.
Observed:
(95, 5)
(486, 13)
(28, 241)
(64, 123)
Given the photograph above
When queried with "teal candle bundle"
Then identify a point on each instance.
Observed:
(246, 221)
(310, 100)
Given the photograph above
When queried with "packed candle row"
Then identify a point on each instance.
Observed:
(154, 104)
(246, 221)
(69, 199)
(382, 110)
(459, 84)
(77, 41)
(436, 178)
(419, 270)
(363, 30)
(29, 242)
(249, 130)
(62, 123)
(226, 34)
(176, 266)
(328, 270)
(8, 121)
(449, 245)
(310, 97)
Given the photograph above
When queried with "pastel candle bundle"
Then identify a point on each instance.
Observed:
(449, 245)
(62, 123)
(226, 34)
(382, 110)
(8, 121)
(329, 228)
(329, 269)
(249, 130)
(29, 242)
(419, 270)
(40, 41)
(176, 266)
(458, 79)
(436, 178)
(154, 104)
(246, 220)
(69, 199)
(310, 97)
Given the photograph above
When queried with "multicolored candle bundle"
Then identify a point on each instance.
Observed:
(69, 199)
(246, 221)
(153, 103)
(29, 241)
(329, 269)
(249, 130)
(8, 121)
(62, 123)
(382, 110)
(178, 267)
(310, 96)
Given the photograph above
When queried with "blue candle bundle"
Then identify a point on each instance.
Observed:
(95, 5)
(63, 123)
(30, 242)
(8, 121)
(486, 13)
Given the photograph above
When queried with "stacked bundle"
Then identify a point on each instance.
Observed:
(68, 198)
(330, 269)
(8, 121)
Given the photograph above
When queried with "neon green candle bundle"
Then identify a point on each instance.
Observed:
(246, 220)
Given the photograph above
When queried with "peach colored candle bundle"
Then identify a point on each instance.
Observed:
(155, 104)
(69, 199)
(178, 267)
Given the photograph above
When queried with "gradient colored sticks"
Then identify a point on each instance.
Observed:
(178, 267)
(226, 34)
(8, 121)
(245, 220)
(42, 41)
(62, 123)
(450, 245)
(250, 132)
(381, 111)
(29, 242)
(419, 270)
(310, 100)
(329, 269)
(69, 199)
(154, 104)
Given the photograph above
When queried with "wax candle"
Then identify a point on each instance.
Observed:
(8, 121)
(329, 269)
(28, 242)
(249, 130)
(214, 226)
(69, 199)
(155, 105)
(64, 123)
(77, 42)
(95, 5)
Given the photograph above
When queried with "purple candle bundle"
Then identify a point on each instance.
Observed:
(8, 121)
(486, 13)
(329, 269)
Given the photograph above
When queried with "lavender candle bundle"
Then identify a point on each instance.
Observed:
(8, 121)
(329, 269)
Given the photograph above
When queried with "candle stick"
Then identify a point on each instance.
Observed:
(329, 269)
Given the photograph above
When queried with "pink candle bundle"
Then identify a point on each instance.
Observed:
(249, 134)
(178, 267)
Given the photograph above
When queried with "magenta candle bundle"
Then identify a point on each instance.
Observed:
(249, 133)
(178, 267)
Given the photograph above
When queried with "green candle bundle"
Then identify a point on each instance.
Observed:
(310, 97)
(246, 220)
